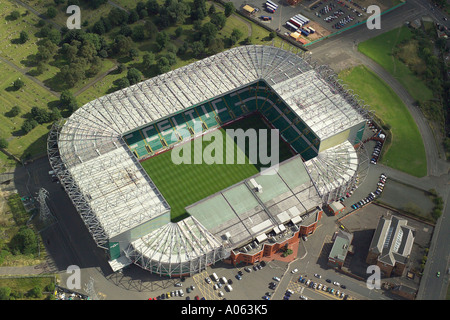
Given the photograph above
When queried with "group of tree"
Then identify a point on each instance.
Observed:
(39, 115)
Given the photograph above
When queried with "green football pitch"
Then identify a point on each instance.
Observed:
(186, 183)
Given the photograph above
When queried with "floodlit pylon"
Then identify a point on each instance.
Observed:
(44, 212)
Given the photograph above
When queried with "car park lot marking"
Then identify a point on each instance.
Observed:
(206, 289)
(298, 287)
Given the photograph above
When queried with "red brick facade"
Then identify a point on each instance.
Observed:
(270, 251)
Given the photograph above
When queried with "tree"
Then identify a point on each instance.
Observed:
(55, 114)
(133, 17)
(123, 83)
(54, 36)
(178, 31)
(24, 242)
(35, 292)
(272, 35)
(3, 143)
(68, 100)
(134, 76)
(209, 32)
(212, 9)
(236, 35)
(18, 84)
(229, 9)
(152, 7)
(163, 65)
(5, 292)
(15, 15)
(133, 53)
(122, 45)
(14, 112)
(198, 48)
(24, 37)
(51, 12)
(162, 38)
(29, 125)
(219, 19)
(138, 33)
(40, 115)
(148, 60)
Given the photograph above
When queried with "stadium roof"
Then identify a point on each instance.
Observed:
(111, 184)
(246, 213)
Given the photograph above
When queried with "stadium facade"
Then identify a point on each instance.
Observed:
(96, 154)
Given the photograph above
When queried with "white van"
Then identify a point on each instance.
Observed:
(229, 288)
(223, 280)
(215, 277)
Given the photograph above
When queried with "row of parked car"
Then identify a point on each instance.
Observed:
(343, 22)
(327, 288)
(371, 196)
(334, 16)
(376, 152)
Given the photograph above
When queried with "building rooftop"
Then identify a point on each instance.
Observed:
(393, 240)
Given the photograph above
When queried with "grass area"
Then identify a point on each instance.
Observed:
(13, 217)
(406, 152)
(185, 184)
(10, 46)
(30, 95)
(380, 49)
(23, 288)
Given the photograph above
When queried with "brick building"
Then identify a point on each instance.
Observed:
(391, 245)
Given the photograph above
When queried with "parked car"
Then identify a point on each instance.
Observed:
(295, 270)
(276, 279)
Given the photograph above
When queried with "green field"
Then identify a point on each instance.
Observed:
(185, 184)
(406, 152)
(380, 50)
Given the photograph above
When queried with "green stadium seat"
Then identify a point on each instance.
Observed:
(180, 126)
(167, 132)
(207, 116)
(231, 104)
(152, 138)
(221, 110)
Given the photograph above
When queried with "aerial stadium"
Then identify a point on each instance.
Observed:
(112, 157)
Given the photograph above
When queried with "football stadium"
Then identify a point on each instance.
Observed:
(114, 158)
